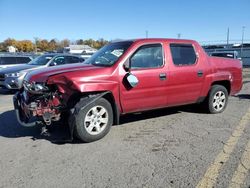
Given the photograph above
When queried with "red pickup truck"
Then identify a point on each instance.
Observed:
(125, 77)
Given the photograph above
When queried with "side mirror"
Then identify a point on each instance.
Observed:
(132, 80)
(53, 63)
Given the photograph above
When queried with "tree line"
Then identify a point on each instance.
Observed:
(43, 45)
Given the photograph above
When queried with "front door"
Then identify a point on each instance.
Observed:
(147, 64)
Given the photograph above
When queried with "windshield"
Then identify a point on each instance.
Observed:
(41, 60)
(108, 55)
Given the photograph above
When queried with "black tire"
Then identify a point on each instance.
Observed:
(214, 105)
(79, 120)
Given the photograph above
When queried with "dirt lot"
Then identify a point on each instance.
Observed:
(175, 147)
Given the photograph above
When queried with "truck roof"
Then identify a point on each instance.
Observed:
(157, 40)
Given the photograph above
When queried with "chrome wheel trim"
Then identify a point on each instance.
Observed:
(219, 100)
(96, 120)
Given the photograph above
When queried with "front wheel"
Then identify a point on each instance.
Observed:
(94, 121)
(217, 99)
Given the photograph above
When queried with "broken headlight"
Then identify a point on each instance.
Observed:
(36, 88)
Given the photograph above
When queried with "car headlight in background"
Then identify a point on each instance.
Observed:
(36, 88)
(15, 74)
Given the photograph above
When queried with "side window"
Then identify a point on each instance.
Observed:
(73, 60)
(22, 60)
(148, 56)
(8, 60)
(59, 60)
(183, 54)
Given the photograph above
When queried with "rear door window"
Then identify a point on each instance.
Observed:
(22, 60)
(8, 60)
(183, 54)
(73, 60)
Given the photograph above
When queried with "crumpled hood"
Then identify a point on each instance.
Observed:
(42, 75)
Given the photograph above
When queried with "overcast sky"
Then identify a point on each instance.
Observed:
(114, 19)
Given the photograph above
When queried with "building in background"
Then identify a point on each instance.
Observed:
(11, 49)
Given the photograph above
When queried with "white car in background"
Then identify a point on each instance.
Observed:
(87, 54)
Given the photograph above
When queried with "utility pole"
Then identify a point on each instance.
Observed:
(227, 37)
(242, 40)
(146, 33)
(35, 43)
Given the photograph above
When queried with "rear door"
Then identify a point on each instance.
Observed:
(186, 74)
(147, 64)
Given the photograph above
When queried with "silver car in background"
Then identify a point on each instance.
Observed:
(12, 78)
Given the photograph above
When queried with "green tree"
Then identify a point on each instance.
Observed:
(43, 45)
(2, 48)
(89, 42)
(24, 46)
(79, 42)
(65, 42)
(9, 42)
(52, 45)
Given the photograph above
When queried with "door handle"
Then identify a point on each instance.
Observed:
(163, 76)
(200, 73)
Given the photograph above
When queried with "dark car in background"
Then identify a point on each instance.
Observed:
(13, 60)
(12, 77)
(226, 54)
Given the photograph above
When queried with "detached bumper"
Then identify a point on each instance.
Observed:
(21, 118)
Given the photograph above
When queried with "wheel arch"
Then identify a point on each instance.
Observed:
(90, 97)
(225, 83)
(109, 96)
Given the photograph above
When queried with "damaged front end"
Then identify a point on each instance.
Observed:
(37, 104)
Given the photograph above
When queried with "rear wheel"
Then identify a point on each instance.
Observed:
(217, 99)
(94, 121)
